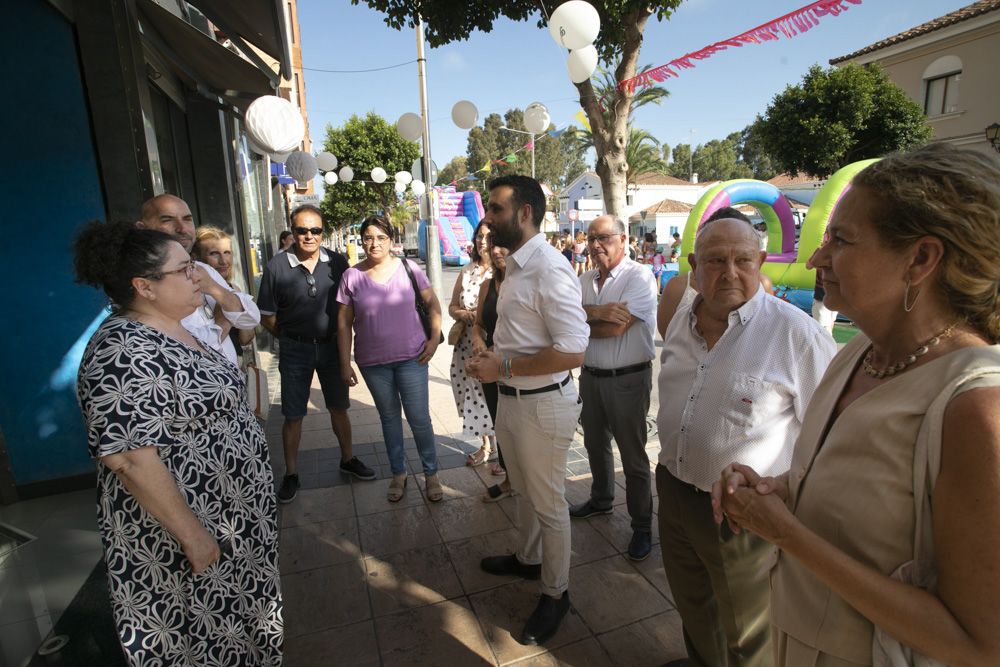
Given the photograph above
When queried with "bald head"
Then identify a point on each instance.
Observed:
(726, 262)
(606, 241)
(170, 215)
(730, 229)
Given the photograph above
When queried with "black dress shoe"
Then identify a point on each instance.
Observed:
(640, 545)
(587, 510)
(544, 621)
(510, 565)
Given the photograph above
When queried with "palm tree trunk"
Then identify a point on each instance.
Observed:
(611, 135)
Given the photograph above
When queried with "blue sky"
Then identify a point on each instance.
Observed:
(517, 64)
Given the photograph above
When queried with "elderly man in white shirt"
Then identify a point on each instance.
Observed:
(619, 297)
(738, 368)
(224, 307)
(541, 334)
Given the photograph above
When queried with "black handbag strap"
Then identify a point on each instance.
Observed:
(418, 299)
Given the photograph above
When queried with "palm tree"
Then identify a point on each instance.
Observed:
(642, 155)
(604, 85)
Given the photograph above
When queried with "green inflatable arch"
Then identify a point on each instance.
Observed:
(782, 267)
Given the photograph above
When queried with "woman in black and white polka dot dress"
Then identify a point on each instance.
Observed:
(468, 391)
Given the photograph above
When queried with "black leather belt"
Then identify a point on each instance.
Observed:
(307, 339)
(513, 391)
(614, 372)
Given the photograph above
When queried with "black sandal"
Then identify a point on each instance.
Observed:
(495, 493)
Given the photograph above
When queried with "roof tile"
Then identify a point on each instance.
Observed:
(957, 16)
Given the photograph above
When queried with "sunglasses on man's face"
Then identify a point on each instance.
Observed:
(302, 231)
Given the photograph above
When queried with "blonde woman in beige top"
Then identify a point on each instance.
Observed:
(913, 258)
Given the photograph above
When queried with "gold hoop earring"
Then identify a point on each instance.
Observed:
(907, 306)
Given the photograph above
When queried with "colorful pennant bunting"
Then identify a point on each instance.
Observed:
(789, 25)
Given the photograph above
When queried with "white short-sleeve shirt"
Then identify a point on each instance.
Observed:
(743, 400)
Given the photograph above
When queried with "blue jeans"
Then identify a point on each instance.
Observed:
(404, 381)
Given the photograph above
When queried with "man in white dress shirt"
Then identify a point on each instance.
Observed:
(541, 334)
(619, 297)
(739, 367)
(224, 307)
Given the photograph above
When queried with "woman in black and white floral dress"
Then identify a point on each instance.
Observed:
(185, 491)
(469, 400)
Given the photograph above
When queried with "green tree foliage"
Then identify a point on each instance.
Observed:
(453, 171)
(363, 144)
(838, 116)
(642, 154)
(622, 25)
(488, 142)
(753, 155)
(680, 167)
(719, 160)
(575, 163)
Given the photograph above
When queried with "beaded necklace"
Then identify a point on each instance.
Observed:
(911, 359)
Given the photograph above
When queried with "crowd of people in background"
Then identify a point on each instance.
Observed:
(813, 506)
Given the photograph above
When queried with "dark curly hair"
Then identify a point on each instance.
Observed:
(109, 255)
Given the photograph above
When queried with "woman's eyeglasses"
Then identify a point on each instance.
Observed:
(380, 240)
(188, 271)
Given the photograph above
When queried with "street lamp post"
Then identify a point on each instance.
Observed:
(433, 262)
(993, 136)
(530, 134)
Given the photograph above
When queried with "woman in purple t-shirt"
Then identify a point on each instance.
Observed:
(391, 349)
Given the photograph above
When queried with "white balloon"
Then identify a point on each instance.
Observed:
(418, 188)
(465, 114)
(346, 174)
(255, 148)
(326, 161)
(536, 118)
(409, 126)
(379, 175)
(301, 166)
(582, 63)
(404, 177)
(330, 177)
(280, 157)
(575, 24)
(400, 187)
(274, 124)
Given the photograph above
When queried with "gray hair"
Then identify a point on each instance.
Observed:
(616, 222)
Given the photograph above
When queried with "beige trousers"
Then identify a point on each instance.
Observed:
(535, 432)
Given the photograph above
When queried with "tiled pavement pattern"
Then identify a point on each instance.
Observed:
(368, 582)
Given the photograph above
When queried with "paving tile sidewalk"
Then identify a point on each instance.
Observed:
(367, 582)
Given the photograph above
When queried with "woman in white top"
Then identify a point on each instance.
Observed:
(469, 400)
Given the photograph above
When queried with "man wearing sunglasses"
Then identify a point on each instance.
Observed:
(619, 297)
(224, 307)
(299, 306)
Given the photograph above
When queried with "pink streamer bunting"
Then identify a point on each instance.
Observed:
(789, 25)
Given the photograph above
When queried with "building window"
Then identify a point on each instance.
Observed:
(942, 94)
(941, 79)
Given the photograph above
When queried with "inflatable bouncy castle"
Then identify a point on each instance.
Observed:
(460, 213)
(785, 264)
